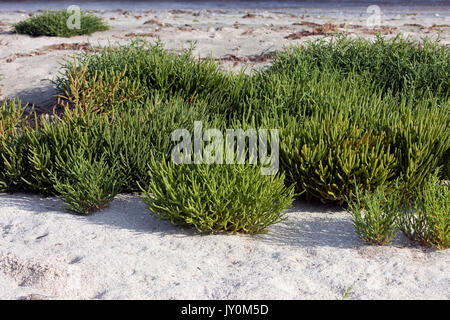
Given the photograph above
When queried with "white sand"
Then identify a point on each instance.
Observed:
(123, 253)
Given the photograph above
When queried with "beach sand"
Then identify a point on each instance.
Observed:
(123, 253)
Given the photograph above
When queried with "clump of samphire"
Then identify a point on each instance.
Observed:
(63, 23)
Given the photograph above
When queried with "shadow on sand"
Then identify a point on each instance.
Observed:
(312, 224)
(43, 97)
(308, 224)
(125, 212)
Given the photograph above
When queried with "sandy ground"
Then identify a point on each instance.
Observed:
(123, 253)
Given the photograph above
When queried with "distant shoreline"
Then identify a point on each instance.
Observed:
(400, 6)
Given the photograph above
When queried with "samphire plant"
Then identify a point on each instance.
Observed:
(375, 215)
(88, 185)
(13, 122)
(400, 64)
(351, 113)
(328, 156)
(360, 123)
(421, 140)
(151, 70)
(13, 117)
(55, 23)
(216, 198)
(427, 219)
(104, 92)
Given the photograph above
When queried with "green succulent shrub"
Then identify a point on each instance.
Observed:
(427, 219)
(216, 198)
(331, 151)
(105, 92)
(399, 64)
(421, 142)
(31, 158)
(88, 185)
(390, 90)
(125, 139)
(14, 122)
(328, 156)
(155, 71)
(136, 134)
(351, 113)
(54, 24)
(13, 117)
(375, 215)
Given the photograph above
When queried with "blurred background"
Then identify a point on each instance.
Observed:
(401, 5)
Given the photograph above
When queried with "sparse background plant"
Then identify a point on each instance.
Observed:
(54, 24)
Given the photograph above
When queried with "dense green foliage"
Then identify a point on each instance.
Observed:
(216, 198)
(126, 140)
(352, 114)
(399, 64)
(54, 23)
(151, 70)
(394, 90)
(328, 155)
(12, 118)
